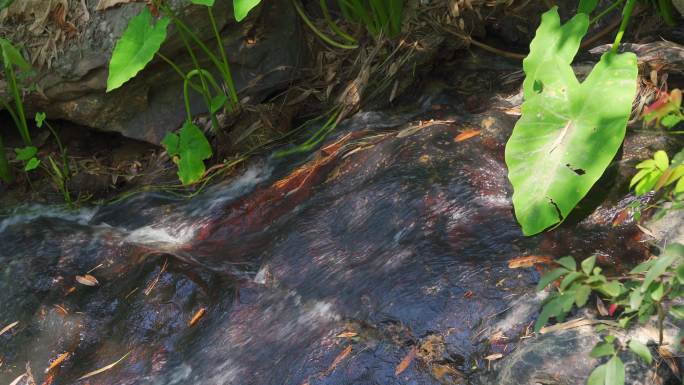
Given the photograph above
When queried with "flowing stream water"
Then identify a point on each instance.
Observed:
(380, 259)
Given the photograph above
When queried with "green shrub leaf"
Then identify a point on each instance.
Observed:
(242, 7)
(659, 267)
(136, 48)
(588, 264)
(603, 349)
(582, 295)
(570, 132)
(615, 371)
(598, 376)
(171, 143)
(568, 263)
(208, 3)
(677, 311)
(641, 350)
(550, 277)
(570, 278)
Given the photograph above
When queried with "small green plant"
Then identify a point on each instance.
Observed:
(653, 288)
(378, 16)
(14, 64)
(188, 149)
(613, 371)
(574, 288)
(569, 131)
(658, 173)
(141, 42)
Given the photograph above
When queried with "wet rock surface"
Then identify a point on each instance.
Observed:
(380, 259)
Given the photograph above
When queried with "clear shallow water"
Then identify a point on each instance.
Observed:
(394, 234)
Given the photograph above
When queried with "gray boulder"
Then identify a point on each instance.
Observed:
(71, 55)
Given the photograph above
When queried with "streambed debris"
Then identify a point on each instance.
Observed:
(8, 327)
(87, 280)
(104, 369)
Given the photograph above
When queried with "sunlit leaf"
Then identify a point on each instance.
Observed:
(208, 3)
(598, 376)
(569, 133)
(193, 149)
(40, 118)
(615, 371)
(242, 7)
(659, 267)
(136, 48)
(32, 164)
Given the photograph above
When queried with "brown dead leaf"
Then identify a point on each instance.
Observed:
(61, 310)
(466, 134)
(346, 335)
(198, 316)
(98, 371)
(87, 280)
(106, 4)
(529, 261)
(58, 361)
(8, 327)
(406, 361)
(601, 307)
(340, 357)
(440, 371)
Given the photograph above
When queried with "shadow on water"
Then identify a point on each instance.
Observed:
(390, 242)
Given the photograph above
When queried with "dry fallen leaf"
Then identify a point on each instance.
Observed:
(466, 134)
(16, 380)
(406, 361)
(529, 261)
(58, 361)
(106, 4)
(601, 307)
(493, 357)
(198, 316)
(8, 327)
(87, 280)
(346, 335)
(340, 357)
(98, 371)
(441, 371)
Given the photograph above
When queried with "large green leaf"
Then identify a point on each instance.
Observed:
(568, 132)
(136, 48)
(10, 55)
(194, 149)
(242, 7)
(553, 44)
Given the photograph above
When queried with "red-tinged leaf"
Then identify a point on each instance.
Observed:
(58, 361)
(612, 308)
(406, 361)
